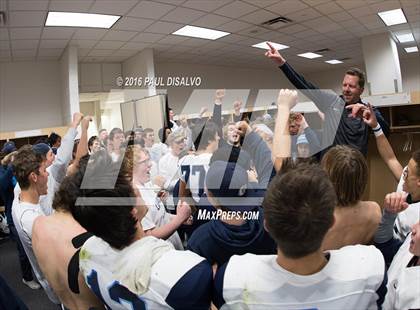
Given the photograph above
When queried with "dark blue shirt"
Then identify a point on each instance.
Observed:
(217, 241)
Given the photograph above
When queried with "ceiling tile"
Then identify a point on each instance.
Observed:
(232, 38)
(85, 44)
(27, 19)
(342, 16)
(386, 5)
(315, 2)
(50, 52)
(25, 33)
(360, 12)
(205, 5)
(293, 29)
(4, 34)
(173, 2)
(163, 27)
(305, 34)
(182, 15)
(70, 5)
(16, 58)
(148, 9)
(115, 35)
(304, 15)
(4, 53)
(130, 23)
(172, 39)
(96, 59)
(57, 33)
(24, 53)
(89, 34)
(110, 59)
(120, 7)
(53, 43)
(195, 42)
(328, 8)
(258, 17)
(160, 47)
(124, 53)
(235, 9)
(48, 58)
(99, 52)
(134, 46)
(261, 3)
(288, 6)
(33, 5)
(346, 4)
(179, 49)
(211, 20)
(4, 45)
(109, 45)
(254, 31)
(82, 52)
(24, 44)
(234, 26)
(148, 37)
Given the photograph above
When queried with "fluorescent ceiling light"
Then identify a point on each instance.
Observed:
(264, 45)
(412, 49)
(393, 17)
(199, 32)
(67, 19)
(334, 61)
(309, 55)
(405, 37)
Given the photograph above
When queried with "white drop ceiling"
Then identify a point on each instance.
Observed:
(317, 24)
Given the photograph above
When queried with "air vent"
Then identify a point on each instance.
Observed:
(2, 19)
(280, 19)
(322, 50)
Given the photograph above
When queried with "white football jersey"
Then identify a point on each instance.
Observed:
(157, 213)
(350, 280)
(193, 172)
(403, 282)
(178, 279)
(408, 217)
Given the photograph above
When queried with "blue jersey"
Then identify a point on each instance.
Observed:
(178, 279)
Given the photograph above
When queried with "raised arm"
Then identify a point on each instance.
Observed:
(259, 151)
(384, 147)
(82, 147)
(324, 100)
(282, 142)
(64, 153)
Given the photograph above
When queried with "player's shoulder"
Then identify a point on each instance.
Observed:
(356, 262)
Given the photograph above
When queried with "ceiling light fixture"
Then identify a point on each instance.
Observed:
(334, 61)
(69, 19)
(277, 46)
(412, 49)
(403, 38)
(393, 17)
(309, 55)
(200, 32)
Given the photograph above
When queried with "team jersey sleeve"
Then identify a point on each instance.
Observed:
(218, 299)
(193, 289)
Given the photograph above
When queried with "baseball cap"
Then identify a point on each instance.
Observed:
(41, 148)
(228, 182)
(8, 147)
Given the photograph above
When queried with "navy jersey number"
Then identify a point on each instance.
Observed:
(195, 170)
(117, 293)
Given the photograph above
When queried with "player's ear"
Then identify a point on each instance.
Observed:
(265, 226)
(333, 221)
